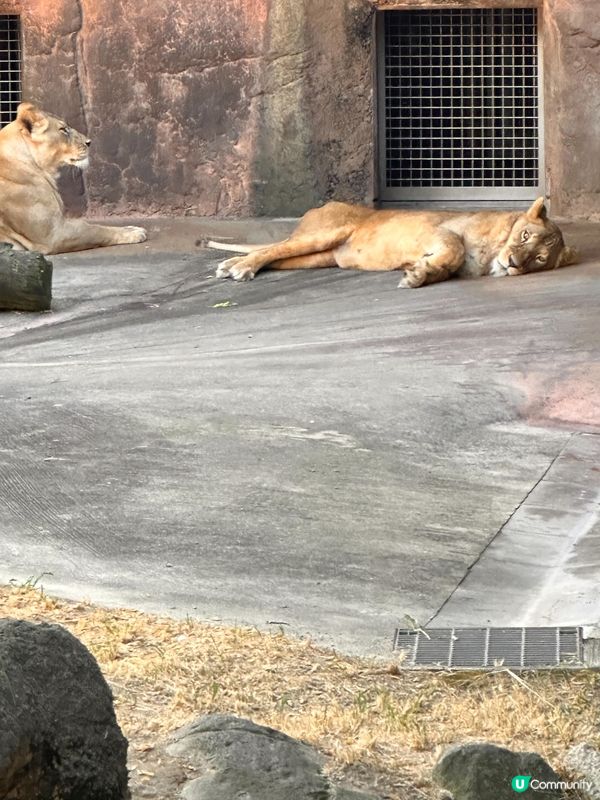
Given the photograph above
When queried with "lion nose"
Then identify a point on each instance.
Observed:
(88, 142)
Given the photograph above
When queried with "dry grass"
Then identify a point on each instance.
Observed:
(379, 727)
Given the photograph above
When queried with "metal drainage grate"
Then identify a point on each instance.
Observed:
(488, 647)
(10, 67)
(459, 104)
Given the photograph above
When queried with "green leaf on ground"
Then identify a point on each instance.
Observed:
(224, 304)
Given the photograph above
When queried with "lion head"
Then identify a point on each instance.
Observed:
(52, 143)
(535, 243)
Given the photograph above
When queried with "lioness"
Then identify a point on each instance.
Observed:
(32, 149)
(429, 246)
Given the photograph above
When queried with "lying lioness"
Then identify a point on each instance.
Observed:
(429, 246)
(32, 149)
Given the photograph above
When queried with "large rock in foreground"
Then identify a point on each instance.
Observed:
(583, 761)
(240, 759)
(59, 737)
(482, 771)
(25, 280)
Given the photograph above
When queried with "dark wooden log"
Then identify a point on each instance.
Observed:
(25, 280)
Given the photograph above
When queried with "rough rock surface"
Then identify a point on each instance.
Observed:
(58, 732)
(480, 770)
(240, 108)
(241, 759)
(572, 103)
(584, 762)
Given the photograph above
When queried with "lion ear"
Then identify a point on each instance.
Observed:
(31, 118)
(568, 255)
(538, 210)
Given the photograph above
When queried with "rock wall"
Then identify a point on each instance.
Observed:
(250, 107)
(572, 104)
(236, 108)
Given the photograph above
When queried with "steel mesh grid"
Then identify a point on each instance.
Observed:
(10, 67)
(469, 648)
(461, 98)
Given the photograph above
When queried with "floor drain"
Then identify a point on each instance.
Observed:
(477, 648)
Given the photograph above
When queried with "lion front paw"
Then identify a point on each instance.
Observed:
(234, 268)
(498, 270)
(133, 234)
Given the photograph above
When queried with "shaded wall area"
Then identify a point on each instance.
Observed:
(249, 107)
(572, 90)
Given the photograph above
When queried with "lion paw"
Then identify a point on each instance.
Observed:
(409, 282)
(134, 235)
(498, 270)
(224, 266)
(234, 268)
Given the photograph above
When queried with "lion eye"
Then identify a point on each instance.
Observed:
(541, 259)
(66, 131)
(524, 236)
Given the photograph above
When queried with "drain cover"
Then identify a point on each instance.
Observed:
(478, 648)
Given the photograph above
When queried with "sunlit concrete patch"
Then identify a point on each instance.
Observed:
(542, 568)
(573, 399)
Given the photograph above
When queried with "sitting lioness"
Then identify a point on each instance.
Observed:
(429, 246)
(32, 149)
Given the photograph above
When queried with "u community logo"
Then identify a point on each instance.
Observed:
(520, 783)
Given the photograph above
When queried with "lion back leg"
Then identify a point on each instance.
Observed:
(444, 257)
(244, 268)
(314, 261)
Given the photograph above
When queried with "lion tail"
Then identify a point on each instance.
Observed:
(235, 248)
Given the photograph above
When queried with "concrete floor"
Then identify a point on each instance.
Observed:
(324, 453)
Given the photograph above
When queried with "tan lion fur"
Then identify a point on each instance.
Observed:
(429, 246)
(32, 149)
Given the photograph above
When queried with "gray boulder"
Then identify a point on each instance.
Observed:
(240, 759)
(584, 762)
(482, 771)
(59, 737)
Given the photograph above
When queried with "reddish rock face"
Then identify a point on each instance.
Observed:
(572, 83)
(247, 107)
(234, 108)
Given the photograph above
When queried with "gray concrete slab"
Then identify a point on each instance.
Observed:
(543, 567)
(325, 452)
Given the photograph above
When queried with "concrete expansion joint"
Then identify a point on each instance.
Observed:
(498, 533)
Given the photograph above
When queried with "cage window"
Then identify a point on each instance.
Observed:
(10, 67)
(463, 84)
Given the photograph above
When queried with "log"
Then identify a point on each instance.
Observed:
(25, 280)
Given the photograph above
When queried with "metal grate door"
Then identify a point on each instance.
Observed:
(460, 115)
(10, 67)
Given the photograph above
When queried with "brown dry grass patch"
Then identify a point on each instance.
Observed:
(379, 727)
